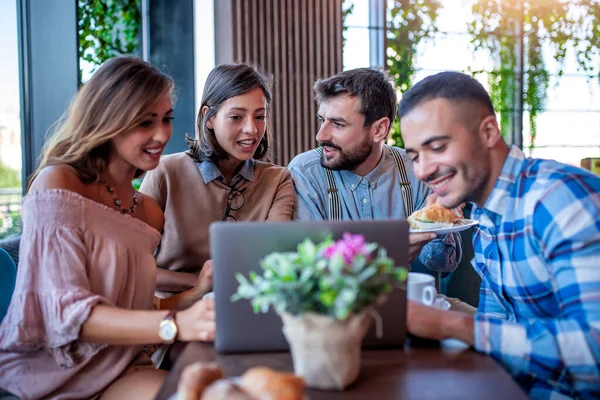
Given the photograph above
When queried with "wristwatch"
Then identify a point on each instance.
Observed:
(167, 330)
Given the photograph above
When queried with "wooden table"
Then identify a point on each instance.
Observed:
(420, 371)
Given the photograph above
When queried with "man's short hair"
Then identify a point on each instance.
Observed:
(452, 86)
(372, 87)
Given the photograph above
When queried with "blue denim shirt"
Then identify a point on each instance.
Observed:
(377, 195)
(210, 172)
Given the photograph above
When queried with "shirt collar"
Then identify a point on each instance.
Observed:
(210, 172)
(352, 180)
(500, 195)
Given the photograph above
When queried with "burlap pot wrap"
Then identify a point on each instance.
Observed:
(326, 351)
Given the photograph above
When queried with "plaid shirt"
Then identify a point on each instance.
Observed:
(537, 250)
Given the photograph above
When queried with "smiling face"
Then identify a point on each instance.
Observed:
(450, 145)
(240, 124)
(141, 147)
(347, 144)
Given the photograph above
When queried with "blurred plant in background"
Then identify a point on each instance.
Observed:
(517, 33)
(10, 201)
(137, 182)
(347, 9)
(9, 177)
(107, 28)
(409, 23)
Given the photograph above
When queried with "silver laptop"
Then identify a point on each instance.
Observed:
(238, 247)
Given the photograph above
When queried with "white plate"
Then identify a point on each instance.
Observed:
(461, 226)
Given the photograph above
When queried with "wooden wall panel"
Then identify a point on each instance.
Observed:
(298, 42)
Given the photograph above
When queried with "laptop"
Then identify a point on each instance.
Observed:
(238, 247)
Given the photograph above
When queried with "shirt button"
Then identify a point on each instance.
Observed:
(352, 186)
(365, 201)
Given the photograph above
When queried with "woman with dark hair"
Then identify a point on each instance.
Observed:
(220, 178)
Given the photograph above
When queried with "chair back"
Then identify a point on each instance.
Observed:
(8, 277)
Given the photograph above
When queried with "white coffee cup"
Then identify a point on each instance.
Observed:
(421, 288)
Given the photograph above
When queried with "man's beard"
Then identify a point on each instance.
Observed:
(347, 160)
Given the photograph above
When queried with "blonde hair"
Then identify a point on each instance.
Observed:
(111, 103)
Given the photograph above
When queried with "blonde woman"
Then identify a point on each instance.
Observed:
(221, 178)
(83, 306)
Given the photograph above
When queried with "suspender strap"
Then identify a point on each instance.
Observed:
(334, 205)
(407, 194)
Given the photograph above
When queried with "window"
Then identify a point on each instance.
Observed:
(10, 123)
(568, 129)
(356, 34)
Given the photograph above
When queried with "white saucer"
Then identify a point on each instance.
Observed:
(440, 303)
(461, 226)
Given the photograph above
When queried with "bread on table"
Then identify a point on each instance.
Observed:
(266, 384)
(225, 389)
(195, 378)
(205, 381)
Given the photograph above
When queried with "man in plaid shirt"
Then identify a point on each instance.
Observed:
(537, 246)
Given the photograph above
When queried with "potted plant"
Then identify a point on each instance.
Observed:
(324, 293)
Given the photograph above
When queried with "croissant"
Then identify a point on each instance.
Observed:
(195, 378)
(434, 216)
(205, 381)
(267, 384)
(224, 389)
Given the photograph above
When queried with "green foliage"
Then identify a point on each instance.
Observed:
(409, 22)
(313, 280)
(500, 25)
(11, 223)
(107, 28)
(9, 178)
(588, 40)
(346, 10)
(136, 183)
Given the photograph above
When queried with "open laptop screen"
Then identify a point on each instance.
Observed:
(238, 247)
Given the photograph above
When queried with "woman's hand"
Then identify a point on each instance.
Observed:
(204, 283)
(190, 297)
(197, 323)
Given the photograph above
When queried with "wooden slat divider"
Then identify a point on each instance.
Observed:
(298, 42)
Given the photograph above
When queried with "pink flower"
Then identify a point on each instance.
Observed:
(348, 247)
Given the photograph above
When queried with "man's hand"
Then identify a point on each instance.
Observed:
(416, 241)
(432, 198)
(431, 323)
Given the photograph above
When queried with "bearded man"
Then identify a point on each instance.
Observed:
(354, 174)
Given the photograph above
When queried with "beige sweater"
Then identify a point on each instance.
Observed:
(190, 206)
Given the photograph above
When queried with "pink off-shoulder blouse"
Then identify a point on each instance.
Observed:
(75, 253)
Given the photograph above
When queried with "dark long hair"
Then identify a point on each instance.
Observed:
(224, 82)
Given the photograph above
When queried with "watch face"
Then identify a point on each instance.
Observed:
(168, 331)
